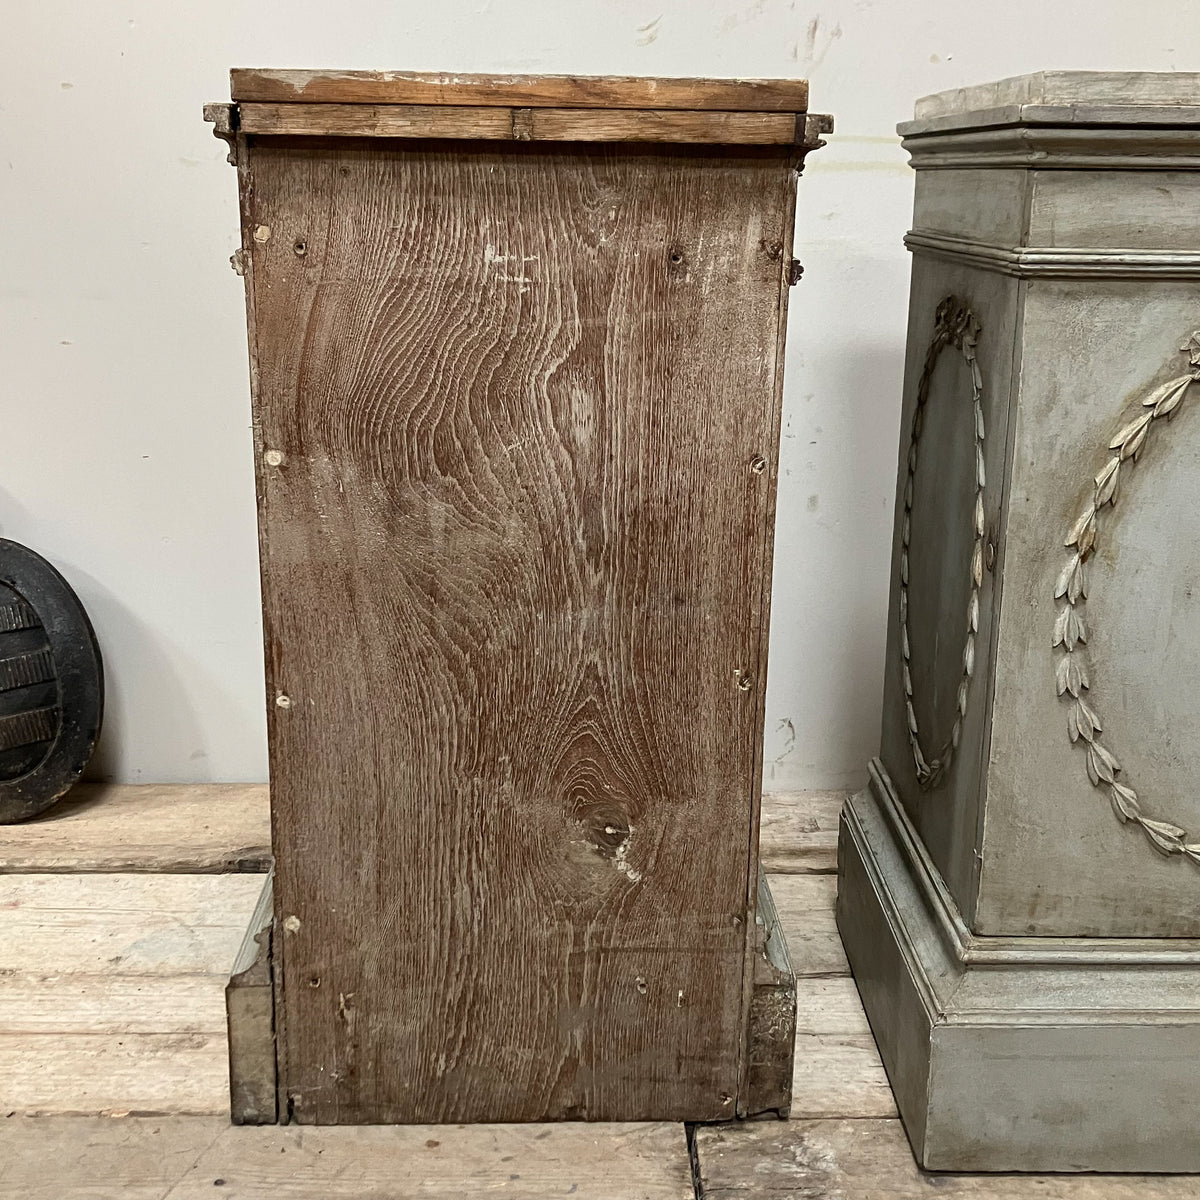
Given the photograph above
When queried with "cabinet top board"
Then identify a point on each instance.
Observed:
(524, 91)
(523, 108)
(1095, 99)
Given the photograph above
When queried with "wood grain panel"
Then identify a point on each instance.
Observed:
(542, 91)
(518, 434)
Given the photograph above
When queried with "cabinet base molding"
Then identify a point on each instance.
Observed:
(1015, 1053)
(258, 1093)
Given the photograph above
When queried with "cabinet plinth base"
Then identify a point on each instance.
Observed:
(1015, 1053)
(257, 1095)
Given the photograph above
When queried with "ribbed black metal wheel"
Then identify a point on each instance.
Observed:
(51, 684)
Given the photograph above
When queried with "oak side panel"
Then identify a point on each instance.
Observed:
(520, 404)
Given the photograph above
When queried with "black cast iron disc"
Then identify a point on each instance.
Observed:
(51, 684)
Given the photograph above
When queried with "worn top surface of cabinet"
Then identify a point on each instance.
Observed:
(1044, 632)
(516, 360)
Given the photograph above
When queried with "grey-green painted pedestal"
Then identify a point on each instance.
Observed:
(1020, 886)
(1015, 1053)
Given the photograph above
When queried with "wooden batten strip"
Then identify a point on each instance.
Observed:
(521, 124)
(376, 120)
(249, 85)
(656, 125)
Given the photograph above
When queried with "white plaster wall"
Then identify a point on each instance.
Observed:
(124, 440)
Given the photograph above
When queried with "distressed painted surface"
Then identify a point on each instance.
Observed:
(1084, 279)
(1016, 1054)
(1057, 860)
(942, 542)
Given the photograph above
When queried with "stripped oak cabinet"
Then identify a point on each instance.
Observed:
(1018, 887)
(516, 361)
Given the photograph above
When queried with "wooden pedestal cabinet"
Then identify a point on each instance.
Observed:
(1019, 887)
(516, 358)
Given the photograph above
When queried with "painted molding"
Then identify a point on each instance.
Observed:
(936, 906)
(1072, 677)
(1138, 118)
(1068, 262)
(1151, 147)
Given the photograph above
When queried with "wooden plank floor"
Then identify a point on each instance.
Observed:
(148, 827)
(124, 909)
(186, 1158)
(121, 924)
(112, 991)
(868, 1159)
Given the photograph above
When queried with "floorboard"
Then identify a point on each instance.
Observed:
(837, 1071)
(182, 1158)
(121, 925)
(112, 991)
(193, 828)
(88, 1074)
(805, 907)
(45, 1002)
(798, 832)
(871, 1160)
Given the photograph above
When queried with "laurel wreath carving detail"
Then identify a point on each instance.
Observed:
(1070, 628)
(954, 325)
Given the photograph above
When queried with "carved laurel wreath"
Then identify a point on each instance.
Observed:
(954, 325)
(1070, 629)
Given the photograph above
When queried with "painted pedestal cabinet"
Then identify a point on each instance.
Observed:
(1019, 887)
(516, 361)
